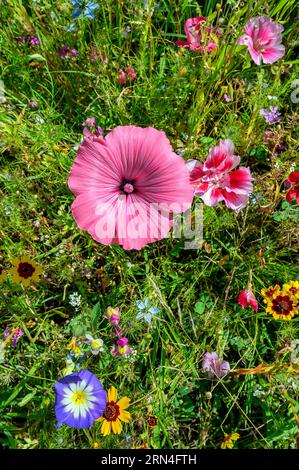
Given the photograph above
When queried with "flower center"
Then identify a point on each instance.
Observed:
(282, 305)
(258, 46)
(25, 270)
(79, 398)
(111, 411)
(127, 186)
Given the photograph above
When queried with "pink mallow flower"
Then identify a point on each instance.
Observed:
(200, 37)
(214, 180)
(247, 298)
(113, 315)
(128, 185)
(263, 39)
(121, 348)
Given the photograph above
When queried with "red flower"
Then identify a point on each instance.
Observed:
(293, 193)
(247, 297)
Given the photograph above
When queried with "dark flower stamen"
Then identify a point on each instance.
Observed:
(25, 270)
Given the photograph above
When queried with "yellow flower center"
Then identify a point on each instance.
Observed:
(79, 397)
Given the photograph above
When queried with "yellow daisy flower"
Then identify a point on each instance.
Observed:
(282, 306)
(24, 270)
(2, 274)
(292, 288)
(114, 413)
(229, 440)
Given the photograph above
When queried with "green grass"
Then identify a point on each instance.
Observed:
(181, 93)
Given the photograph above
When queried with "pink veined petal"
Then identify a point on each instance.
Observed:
(234, 201)
(273, 54)
(256, 56)
(239, 181)
(212, 196)
(221, 158)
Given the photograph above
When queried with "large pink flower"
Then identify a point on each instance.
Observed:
(127, 186)
(214, 181)
(200, 37)
(263, 38)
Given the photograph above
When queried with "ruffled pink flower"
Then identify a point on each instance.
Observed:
(200, 37)
(214, 181)
(247, 298)
(128, 185)
(263, 38)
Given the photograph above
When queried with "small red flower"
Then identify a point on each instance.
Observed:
(247, 297)
(152, 421)
(293, 193)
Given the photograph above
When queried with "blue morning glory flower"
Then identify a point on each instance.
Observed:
(85, 8)
(80, 400)
(146, 311)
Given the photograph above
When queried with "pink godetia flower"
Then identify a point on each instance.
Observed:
(128, 186)
(263, 39)
(200, 37)
(121, 348)
(247, 298)
(215, 366)
(293, 192)
(227, 98)
(214, 180)
(113, 315)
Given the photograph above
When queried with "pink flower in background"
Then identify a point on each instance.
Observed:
(200, 37)
(247, 298)
(214, 180)
(128, 75)
(127, 186)
(215, 366)
(122, 78)
(263, 38)
(227, 98)
(131, 74)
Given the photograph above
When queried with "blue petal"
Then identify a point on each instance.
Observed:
(140, 305)
(140, 315)
(146, 302)
(76, 13)
(93, 6)
(154, 310)
(89, 14)
(148, 318)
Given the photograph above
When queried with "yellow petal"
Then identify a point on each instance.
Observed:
(125, 416)
(223, 445)
(123, 403)
(116, 426)
(106, 428)
(98, 420)
(235, 436)
(112, 394)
